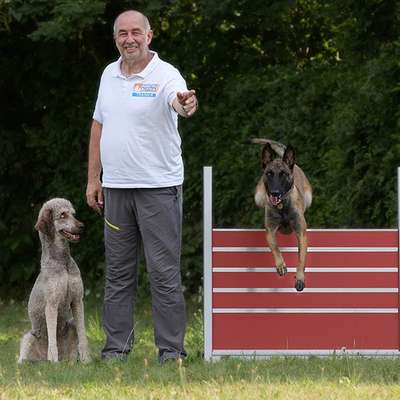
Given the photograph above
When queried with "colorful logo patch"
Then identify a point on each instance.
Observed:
(145, 89)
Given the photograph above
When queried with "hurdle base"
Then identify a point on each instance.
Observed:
(217, 355)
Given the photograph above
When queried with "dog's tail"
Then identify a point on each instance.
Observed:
(277, 147)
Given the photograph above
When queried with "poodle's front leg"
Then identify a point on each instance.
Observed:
(79, 318)
(51, 322)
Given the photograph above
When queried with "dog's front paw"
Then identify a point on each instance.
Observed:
(84, 355)
(281, 268)
(300, 281)
(52, 356)
(85, 358)
(299, 285)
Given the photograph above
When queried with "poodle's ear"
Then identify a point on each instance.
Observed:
(267, 155)
(44, 223)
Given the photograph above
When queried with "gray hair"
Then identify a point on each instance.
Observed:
(146, 21)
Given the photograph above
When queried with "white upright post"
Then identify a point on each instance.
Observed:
(207, 266)
(398, 198)
(398, 220)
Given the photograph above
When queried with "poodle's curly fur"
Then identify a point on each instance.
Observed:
(58, 291)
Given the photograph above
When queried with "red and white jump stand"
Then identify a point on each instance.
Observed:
(350, 304)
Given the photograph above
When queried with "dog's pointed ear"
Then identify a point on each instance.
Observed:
(44, 222)
(289, 157)
(267, 155)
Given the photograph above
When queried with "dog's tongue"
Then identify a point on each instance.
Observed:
(275, 200)
(71, 236)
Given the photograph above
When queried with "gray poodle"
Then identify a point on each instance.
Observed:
(57, 292)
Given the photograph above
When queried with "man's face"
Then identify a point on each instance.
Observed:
(132, 38)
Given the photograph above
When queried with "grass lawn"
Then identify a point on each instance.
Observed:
(143, 378)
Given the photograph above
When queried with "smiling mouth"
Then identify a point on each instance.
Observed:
(72, 237)
(130, 49)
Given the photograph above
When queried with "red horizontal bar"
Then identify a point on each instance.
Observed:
(305, 331)
(340, 238)
(295, 300)
(313, 280)
(339, 259)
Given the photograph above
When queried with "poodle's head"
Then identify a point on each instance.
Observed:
(57, 218)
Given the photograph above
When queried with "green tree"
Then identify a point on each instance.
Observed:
(323, 76)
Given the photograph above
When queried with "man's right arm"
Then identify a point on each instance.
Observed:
(94, 192)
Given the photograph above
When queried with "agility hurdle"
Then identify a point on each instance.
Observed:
(350, 304)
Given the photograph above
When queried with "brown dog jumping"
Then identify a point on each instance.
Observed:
(285, 193)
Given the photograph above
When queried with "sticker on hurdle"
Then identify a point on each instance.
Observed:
(351, 300)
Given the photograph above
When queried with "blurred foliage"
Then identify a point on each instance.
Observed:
(323, 76)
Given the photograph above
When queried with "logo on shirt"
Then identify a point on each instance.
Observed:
(145, 89)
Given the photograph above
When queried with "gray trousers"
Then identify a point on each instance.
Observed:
(152, 217)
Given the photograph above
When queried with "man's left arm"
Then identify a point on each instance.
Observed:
(186, 103)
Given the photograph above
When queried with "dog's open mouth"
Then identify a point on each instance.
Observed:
(72, 237)
(275, 199)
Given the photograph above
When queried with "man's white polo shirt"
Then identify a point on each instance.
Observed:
(140, 144)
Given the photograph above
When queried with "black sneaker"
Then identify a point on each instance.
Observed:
(168, 356)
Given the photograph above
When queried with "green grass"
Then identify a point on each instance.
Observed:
(143, 378)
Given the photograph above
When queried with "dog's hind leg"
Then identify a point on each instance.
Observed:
(30, 349)
(27, 342)
(279, 262)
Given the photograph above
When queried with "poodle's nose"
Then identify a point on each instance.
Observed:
(80, 225)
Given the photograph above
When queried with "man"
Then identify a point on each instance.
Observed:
(134, 141)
